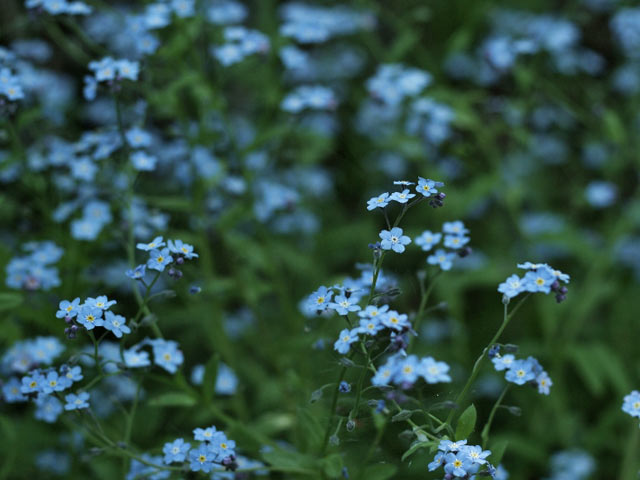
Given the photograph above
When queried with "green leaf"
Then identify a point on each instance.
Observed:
(466, 423)
(310, 429)
(287, 459)
(173, 399)
(332, 465)
(382, 471)
(9, 300)
(415, 447)
(497, 451)
(210, 376)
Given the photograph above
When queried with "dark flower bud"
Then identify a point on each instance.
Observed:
(560, 298)
(194, 289)
(230, 463)
(464, 251)
(564, 290)
(351, 426)
(68, 319)
(494, 351)
(555, 286)
(344, 387)
(180, 260)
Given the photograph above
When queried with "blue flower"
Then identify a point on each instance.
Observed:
(373, 312)
(226, 380)
(441, 258)
(136, 273)
(503, 362)
(68, 309)
(166, 354)
(101, 302)
(52, 383)
(427, 240)
(221, 446)
(539, 280)
(11, 392)
(455, 241)
(76, 402)
(428, 187)
(116, 324)
(201, 459)
(155, 244)
(48, 408)
(159, 259)
(204, 434)
(319, 300)
(512, 286)
(407, 370)
(90, 317)
(433, 371)
(394, 240)
(454, 228)
(476, 454)
(385, 373)
(395, 320)
(344, 305)
(437, 462)
(71, 374)
(457, 464)
(142, 161)
(401, 197)
(32, 383)
(134, 358)
(380, 201)
(369, 326)
(181, 248)
(449, 446)
(520, 372)
(544, 383)
(175, 451)
(631, 404)
(345, 339)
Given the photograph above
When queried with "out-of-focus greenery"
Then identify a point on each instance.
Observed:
(517, 169)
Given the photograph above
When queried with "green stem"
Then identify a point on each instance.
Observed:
(476, 367)
(485, 431)
(423, 303)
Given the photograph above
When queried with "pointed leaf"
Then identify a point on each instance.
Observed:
(466, 423)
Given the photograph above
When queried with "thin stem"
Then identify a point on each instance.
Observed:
(476, 367)
(487, 427)
(421, 308)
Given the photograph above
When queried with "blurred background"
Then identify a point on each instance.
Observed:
(271, 124)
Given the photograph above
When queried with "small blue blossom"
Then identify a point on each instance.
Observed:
(631, 404)
(142, 161)
(101, 302)
(512, 286)
(454, 228)
(407, 370)
(520, 372)
(345, 339)
(544, 383)
(380, 201)
(539, 280)
(155, 244)
(448, 446)
(90, 317)
(76, 401)
(503, 362)
(11, 391)
(401, 197)
(32, 383)
(395, 320)
(48, 408)
(52, 383)
(427, 240)
(369, 326)
(343, 305)
(428, 187)
(201, 459)
(319, 300)
(455, 241)
(181, 248)
(457, 464)
(433, 371)
(138, 138)
(134, 358)
(438, 461)
(441, 258)
(68, 309)
(221, 446)
(137, 273)
(116, 324)
(204, 434)
(394, 240)
(175, 451)
(159, 259)
(476, 454)
(166, 354)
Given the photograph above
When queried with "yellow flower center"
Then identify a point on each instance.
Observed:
(457, 463)
(160, 259)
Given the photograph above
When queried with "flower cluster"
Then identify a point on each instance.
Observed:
(461, 460)
(44, 387)
(240, 43)
(92, 313)
(313, 97)
(521, 371)
(34, 271)
(166, 354)
(58, 7)
(540, 277)
(392, 83)
(404, 371)
(571, 465)
(95, 214)
(215, 449)
(10, 85)
(109, 70)
(455, 239)
(175, 251)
